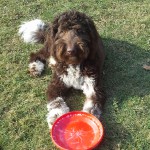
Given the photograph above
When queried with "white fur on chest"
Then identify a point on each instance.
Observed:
(76, 80)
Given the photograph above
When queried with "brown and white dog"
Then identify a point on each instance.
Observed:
(74, 51)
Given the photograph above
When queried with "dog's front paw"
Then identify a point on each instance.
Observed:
(96, 111)
(56, 108)
(92, 108)
(36, 68)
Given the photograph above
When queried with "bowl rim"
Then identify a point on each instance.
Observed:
(78, 112)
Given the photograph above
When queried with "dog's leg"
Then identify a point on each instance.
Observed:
(94, 98)
(56, 105)
(38, 61)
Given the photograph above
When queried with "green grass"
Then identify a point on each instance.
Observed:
(123, 26)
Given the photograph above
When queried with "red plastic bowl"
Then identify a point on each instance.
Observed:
(77, 131)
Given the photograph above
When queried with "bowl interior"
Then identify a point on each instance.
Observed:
(77, 130)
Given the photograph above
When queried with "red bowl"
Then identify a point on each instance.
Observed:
(77, 130)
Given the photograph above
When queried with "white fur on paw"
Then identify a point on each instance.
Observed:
(56, 108)
(92, 108)
(36, 68)
(28, 29)
(52, 61)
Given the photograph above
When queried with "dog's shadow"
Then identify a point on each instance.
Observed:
(124, 78)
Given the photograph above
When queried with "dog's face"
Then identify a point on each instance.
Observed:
(73, 36)
(71, 44)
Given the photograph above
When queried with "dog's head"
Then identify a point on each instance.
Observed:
(74, 35)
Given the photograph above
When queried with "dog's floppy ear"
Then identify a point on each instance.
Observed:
(54, 30)
(92, 29)
(55, 26)
(94, 37)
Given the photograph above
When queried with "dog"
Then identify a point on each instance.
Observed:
(74, 51)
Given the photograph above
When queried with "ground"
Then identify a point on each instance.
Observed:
(123, 26)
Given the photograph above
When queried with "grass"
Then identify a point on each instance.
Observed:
(123, 26)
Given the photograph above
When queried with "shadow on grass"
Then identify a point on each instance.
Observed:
(115, 135)
(1, 148)
(124, 78)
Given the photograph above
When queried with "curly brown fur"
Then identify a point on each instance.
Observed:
(74, 50)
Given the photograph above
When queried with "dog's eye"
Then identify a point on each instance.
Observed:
(80, 31)
(61, 31)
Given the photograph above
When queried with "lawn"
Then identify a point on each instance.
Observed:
(123, 25)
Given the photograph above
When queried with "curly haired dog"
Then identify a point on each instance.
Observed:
(74, 51)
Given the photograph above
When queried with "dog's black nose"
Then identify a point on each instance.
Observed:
(71, 51)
